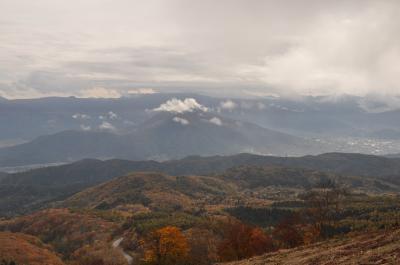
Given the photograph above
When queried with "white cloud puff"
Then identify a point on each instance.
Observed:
(106, 126)
(180, 106)
(216, 121)
(228, 105)
(79, 116)
(112, 115)
(181, 120)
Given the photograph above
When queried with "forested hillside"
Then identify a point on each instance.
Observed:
(114, 212)
(31, 190)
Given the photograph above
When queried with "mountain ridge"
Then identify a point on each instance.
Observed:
(163, 137)
(27, 191)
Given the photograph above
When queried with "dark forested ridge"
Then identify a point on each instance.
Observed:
(26, 191)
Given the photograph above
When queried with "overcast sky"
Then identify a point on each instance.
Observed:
(107, 48)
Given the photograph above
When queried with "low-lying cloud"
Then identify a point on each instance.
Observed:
(180, 106)
(181, 120)
(85, 127)
(112, 115)
(79, 116)
(228, 105)
(216, 121)
(106, 126)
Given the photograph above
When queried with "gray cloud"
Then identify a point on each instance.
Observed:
(244, 48)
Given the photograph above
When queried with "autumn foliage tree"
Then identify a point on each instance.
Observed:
(203, 246)
(324, 207)
(243, 241)
(288, 232)
(166, 246)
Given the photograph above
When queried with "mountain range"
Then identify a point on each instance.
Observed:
(34, 189)
(165, 136)
(338, 120)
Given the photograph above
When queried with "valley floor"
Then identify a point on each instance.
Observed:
(372, 248)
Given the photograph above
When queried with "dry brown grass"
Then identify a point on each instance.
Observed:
(374, 248)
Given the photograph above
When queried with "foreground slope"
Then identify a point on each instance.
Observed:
(370, 248)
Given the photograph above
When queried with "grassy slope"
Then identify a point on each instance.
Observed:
(370, 248)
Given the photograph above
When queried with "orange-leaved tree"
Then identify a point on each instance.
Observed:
(243, 241)
(166, 246)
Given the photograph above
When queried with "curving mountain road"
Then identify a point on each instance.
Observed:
(116, 244)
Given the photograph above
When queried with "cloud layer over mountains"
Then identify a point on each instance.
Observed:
(105, 48)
